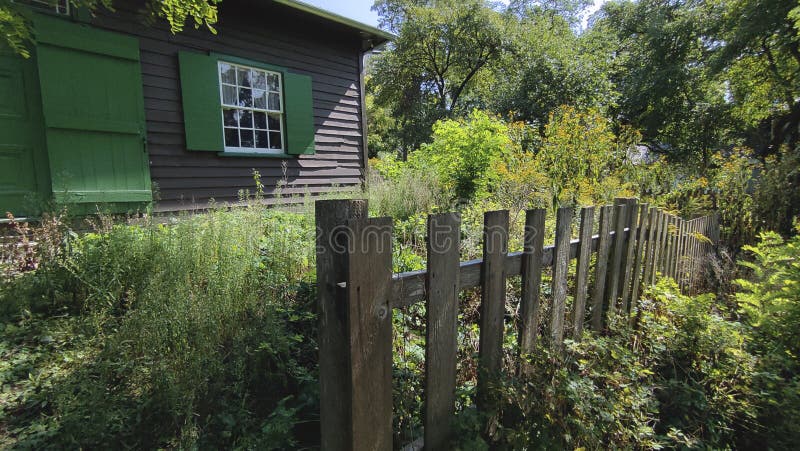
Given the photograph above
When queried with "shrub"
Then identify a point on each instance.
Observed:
(463, 153)
(770, 305)
(192, 334)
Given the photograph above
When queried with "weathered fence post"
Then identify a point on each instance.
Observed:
(441, 345)
(530, 304)
(354, 274)
(582, 270)
(638, 267)
(334, 358)
(617, 253)
(369, 325)
(630, 246)
(560, 267)
(601, 267)
(493, 299)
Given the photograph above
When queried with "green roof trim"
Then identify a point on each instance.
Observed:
(311, 9)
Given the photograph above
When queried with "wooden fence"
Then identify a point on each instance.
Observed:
(357, 292)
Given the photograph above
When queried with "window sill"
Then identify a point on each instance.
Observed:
(255, 155)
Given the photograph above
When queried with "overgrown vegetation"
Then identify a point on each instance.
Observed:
(199, 331)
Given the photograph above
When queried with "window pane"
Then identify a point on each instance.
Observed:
(246, 137)
(274, 122)
(245, 119)
(274, 102)
(231, 137)
(228, 73)
(260, 99)
(272, 80)
(246, 97)
(260, 120)
(230, 118)
(261, 140)
(228, 95)
(259, 79)
(274, 140)
(244, 77)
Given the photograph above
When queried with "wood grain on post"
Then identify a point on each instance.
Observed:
(629, 260)
(530, 303)
(441, 345)
(582, 270)
(641, 246)
(493, 298)
(656, 246)
(663, 242)
(651, 244)
(334, 358)
(560, 268)
(618, 247)
(667, 260)
(601, 267)
(369, 279)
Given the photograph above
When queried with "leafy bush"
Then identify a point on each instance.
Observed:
(192, 334)
(680, 376)
(463, 153)
(770, 305)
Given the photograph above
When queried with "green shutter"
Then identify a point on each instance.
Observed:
(299, 107)
(202, 112)
(91, 86)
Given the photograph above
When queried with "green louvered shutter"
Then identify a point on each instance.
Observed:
(299, 107)
(93, 109)
(202, 112)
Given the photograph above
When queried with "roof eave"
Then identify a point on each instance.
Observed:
(377, 35)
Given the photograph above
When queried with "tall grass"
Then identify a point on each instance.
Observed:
(196, 332)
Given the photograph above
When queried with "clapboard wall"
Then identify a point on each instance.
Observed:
(265, 32)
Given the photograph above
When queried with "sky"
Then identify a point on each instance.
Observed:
(360, 9)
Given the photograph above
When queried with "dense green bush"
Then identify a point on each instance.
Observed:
(679, 376)
(769, 303)
(197, 333)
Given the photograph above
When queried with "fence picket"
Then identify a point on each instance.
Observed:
(560, 268)
(334, 359)
(441, 333)
(629, 260)
(493, 297)
(369, 277)
(582, 270)
(530, 304)
(638, 265)
(601, 267)
(618, 246)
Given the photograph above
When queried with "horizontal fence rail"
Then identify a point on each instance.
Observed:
(630, 245)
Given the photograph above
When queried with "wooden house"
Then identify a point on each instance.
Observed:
(109, 111)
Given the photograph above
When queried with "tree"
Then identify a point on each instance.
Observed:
(759, 56)
(440, 49)
(15, 23)
(549, 65)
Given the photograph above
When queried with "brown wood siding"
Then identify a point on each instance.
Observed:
(262, 32)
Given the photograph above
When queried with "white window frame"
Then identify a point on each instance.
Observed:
(253, 109)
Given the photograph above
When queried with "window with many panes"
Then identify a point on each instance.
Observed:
(252, 109)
